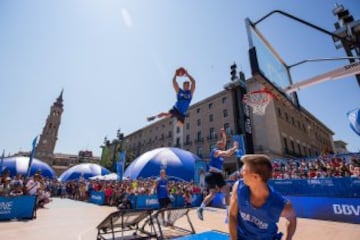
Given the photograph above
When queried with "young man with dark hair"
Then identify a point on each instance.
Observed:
(183, 95)
(255, 208)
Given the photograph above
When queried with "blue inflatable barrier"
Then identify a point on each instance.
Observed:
(21, 207)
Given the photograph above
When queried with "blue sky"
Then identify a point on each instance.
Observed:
(115, 60)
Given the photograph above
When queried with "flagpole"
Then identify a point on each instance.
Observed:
(31, 156)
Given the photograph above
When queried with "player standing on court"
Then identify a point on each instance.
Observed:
(214, 178)
(184, 96)
(161, 188)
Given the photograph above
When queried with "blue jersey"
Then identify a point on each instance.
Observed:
(183, 101)
(258, 223)
(161, 189)
(216, 162)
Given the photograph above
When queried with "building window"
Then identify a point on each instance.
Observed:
(187, 126)
(198, 110)
(211, 117)
(279, 112)
(188, 139)
(224, 100)
(212, 146)
(198, 135)
(199, 151)
(227, 128)
(293, 121)
(211, 105)
(199, 122)
(212, 133)
(286, 116)
(177, 129)
(299, 148)
(178, 142)
(228, 144)
(292, 145)
(225, 113)
(285, 143)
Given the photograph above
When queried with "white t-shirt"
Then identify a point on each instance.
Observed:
(32, 187)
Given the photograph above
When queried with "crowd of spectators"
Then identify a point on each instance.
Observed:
(324, 166)
(118, 193)
(19, 185)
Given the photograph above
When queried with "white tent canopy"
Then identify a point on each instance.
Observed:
(107, 177)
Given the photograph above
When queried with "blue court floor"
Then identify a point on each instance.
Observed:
(208, 235)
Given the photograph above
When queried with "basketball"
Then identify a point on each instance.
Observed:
(180, 72)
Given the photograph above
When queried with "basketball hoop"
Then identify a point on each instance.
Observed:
(258, 100)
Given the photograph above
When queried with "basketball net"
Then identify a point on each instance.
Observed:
(258, 100)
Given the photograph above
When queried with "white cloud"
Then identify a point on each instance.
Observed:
(126, 18)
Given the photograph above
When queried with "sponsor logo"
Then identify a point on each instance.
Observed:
(325, 182)
(6, 207)
(151, 201)
(346, 209)
(95, 197)
(283, 182)
(248, 217)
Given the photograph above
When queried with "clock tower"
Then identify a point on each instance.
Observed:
(46, 145)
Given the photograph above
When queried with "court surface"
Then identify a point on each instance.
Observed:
(65, 219)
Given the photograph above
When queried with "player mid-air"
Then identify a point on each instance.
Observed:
(184, 96)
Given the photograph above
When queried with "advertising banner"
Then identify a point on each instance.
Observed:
(120, 165)
(322, 187)
(241, 150)
(199, 173)
(144, 201)
(97, 197)
(334, 209)
(21, 207)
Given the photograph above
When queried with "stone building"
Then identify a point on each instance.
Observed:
(282, 132)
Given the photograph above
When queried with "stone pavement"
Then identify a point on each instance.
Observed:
(65, 219)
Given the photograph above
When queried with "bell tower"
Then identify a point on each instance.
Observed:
(46, 145)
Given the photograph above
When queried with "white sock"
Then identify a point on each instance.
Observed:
(227, 215)
(202, 205)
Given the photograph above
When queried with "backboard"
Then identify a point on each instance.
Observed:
(267, 67)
